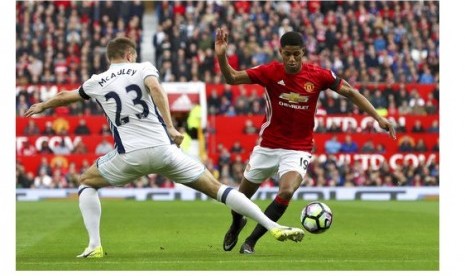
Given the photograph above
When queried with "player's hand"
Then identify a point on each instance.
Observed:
(221, 42)
(388, 126)
(34, 109)
(175, 135)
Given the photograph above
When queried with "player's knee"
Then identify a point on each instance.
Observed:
(86, 179)
(286, 193)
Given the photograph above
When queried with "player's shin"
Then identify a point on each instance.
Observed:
(238, 202)
(89, 204)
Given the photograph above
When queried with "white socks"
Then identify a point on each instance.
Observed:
(242, 205)
(89, 203)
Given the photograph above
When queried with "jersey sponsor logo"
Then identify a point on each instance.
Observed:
(293, 97)
(308, 86)
(281, 82)
(294, 106)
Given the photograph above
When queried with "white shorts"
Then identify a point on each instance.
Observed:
(265, 162)
(169, 161)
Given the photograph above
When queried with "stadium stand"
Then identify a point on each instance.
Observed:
(389, 50)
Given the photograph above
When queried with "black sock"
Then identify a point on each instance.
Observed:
(236, 219)
(274, 211)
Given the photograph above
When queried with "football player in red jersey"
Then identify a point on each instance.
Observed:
(286, 135)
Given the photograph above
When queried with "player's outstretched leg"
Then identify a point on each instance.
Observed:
(230, 239)
(238, 202)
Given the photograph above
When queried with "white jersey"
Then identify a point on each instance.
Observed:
(133, 117)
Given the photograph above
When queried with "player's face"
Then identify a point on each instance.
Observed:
(292, 58)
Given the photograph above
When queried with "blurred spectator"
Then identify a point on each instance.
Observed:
(31, 128)
(368, 147)
(72, 177)
(400, 127)
(27, 149)
(369, 127)
(48, 129)
(84, 166)
(434, 128)
(418, 127)
(378, 100)
(249, 127)
(334, 128)
(351, 128)
(44, 165)
(58, 181)
(213, 102)
(79, 148)
(406, 144)
(349, 146)
(420, 146)
(42, 180)
(237, 148)
(62, 148)
(436, 146)
(237, 169)
(333, 145)
(82, 128)
(379, 148)
(24, 179)
(417, 103)
(105, 130)
(60, 126)
(44, 148)
(404, 108)
(22, 105)
(426, 77)
(430, 108)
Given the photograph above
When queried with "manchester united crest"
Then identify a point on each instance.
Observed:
(308, 86)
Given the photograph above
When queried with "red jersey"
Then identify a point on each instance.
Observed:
(290, 103)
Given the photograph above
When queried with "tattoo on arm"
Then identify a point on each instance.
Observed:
(346, 89)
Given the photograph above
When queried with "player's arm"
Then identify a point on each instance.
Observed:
(60, 99)
(351, 93)
(160, 98)
(231, 75)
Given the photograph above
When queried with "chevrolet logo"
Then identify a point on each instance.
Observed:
(293, 97)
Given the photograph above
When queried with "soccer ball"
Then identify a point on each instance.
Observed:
(316, 217)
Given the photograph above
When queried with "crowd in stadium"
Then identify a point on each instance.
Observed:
(392, 42)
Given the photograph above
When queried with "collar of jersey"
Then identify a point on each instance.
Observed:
(117, 64)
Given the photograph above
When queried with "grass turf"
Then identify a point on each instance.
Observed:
(188, 235)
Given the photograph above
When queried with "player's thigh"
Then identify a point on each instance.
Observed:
(293, 161)
(174, 164)
(120, 169)
(263, 164)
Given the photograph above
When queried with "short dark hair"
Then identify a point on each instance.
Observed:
(117, 47)
(292, 39)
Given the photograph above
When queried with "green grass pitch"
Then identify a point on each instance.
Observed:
(188, 235)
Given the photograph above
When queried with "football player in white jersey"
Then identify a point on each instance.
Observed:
(137, 110)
